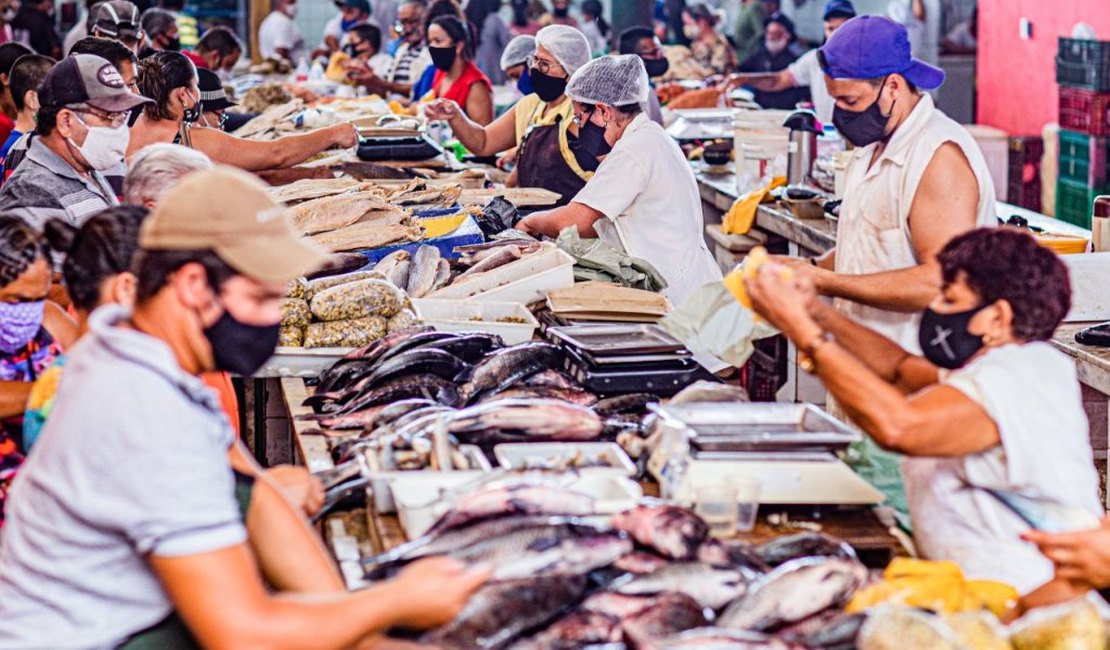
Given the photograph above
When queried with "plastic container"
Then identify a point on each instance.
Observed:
(1075, 201)
(300, 362)
(384, 484)
(526, 455)
(1085, 111)
(526, 280)
(1083, 159)
(1083, 63)
(478, 316)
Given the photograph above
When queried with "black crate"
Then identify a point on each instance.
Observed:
(1083, 64)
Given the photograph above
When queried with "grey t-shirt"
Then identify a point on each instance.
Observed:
(132, 462)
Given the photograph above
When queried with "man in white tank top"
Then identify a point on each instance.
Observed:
(916, 179)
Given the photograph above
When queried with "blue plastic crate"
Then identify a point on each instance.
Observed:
(466, 234)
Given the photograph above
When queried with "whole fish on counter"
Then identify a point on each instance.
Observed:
(579, 397)
(500, 257)
(672, 531)
(520, 499)
(420, 360)
(712, 587)
(534, 419)
(646, 619)
(422, 272)
(792, 547)
(575, 630)
(504, 368)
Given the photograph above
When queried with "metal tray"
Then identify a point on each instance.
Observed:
(656, 359)
(765, 427)
(611, 340)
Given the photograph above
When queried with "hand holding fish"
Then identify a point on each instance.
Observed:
(431, 592)
(783, 298)
(1081, 557)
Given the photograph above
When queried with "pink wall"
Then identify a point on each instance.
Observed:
(1017, 78)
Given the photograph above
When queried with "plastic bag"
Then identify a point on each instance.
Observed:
(711, 322)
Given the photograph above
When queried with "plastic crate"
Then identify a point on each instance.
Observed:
(1024, 177)
(1074, 201)
(1083, 158)
(1083, 64)
(1085, 111)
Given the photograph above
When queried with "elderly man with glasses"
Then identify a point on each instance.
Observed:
(81, 132)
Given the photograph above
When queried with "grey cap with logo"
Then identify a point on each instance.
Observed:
(90, 80)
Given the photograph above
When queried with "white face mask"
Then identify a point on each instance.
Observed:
(8, 13)
(104, 146)
(774, 47)
(691, 31)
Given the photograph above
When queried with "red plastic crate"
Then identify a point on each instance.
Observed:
(1085, 111)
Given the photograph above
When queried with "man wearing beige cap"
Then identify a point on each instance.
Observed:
(123, 527)
(81, 132)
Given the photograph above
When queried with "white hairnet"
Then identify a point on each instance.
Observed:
(613, 80)
(517, 51)
(568, 45)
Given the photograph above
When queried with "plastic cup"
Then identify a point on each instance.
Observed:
(716, 504)
(746, 491)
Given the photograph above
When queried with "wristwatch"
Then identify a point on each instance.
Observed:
(807, 352)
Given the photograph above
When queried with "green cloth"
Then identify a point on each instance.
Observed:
(749, 30)
(594, 260)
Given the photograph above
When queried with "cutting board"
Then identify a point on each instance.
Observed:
(518, 196)
(1090, 287)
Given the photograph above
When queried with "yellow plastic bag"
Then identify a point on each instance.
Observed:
(740, 217)
(938, 586)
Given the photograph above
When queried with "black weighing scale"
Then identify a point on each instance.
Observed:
(406, 148)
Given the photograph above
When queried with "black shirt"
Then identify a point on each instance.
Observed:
(37, 30)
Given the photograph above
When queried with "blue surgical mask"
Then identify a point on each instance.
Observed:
(346, 25)
(524, 84)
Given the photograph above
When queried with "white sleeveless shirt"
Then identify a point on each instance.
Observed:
(873, 235)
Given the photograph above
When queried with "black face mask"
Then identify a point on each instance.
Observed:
(591, 139)
(944, 338)
(240, 348)
(546, 87)
(350, 51)
(865, 127)
(562, 13)
(657, 67)
(192, 114)
(171, 44)
(443, 57)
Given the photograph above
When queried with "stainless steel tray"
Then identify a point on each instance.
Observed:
(765, 427)
(608, 340)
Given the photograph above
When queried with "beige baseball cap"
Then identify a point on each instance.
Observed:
(230, 212)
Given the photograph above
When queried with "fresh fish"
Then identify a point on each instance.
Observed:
(405, 387)
(640, 563)
(506, 367)
(739, 555)
(499, 243)
(715, 638)
(403, 423)
(1041, 513)
(392, 412)
(357, 420)
(544, 419)
(575, 630)
(522, 499)
(422, 339)
(622, 404)
(501, 611)
(381, 346)
(665, 615)
(552, 379)
(712, 587)
(443, 274)
(892, 627)
(339, 264)
(500, 258)
(421, 360)
(563, 556)
(616, 605)
(579, 397)
(840, 633)
(794, 591)
(791, 547)
(471, 347)
(669, 530)
(422, 275)
(343, 375)
(386, 265)
(399, 275)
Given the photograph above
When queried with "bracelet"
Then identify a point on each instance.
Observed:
(808, 352)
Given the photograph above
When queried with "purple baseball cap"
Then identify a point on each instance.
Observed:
(868, 47)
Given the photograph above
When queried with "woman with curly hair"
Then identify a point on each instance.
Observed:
(990, 402)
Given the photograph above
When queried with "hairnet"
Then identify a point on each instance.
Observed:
(613, 80)
(568, 45)
(517, 51)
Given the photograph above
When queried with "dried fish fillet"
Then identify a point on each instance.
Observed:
(369, 234)
(334, 212)
(315, 188)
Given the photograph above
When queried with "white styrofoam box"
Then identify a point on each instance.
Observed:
(473, 316)
(526, 280)
(995, 145)
(382, 483)
(523, 455)
(1090, 293)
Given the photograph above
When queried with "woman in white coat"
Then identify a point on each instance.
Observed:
(643, 198)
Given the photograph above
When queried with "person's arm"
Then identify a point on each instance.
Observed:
(59, 324)
(918, 7)
(917, 425)
(946, 205)
(479, 104)
(552, 222)
(771, 83)
(427, 594)
(256, 155)
(480, 140)
(13, 397)
(287, 549)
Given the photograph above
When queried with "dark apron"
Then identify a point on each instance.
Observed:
(540, 163)
(171, 633)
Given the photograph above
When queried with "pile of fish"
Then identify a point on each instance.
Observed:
(393, 395)
(417, 274)
(649, 578)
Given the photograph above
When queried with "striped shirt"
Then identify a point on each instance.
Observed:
(406, 62)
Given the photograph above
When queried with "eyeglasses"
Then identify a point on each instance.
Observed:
(115, 120)
(543, 65)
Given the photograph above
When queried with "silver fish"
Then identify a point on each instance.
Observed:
(791, 547)
(666, 614)
(398, 276)
(517, 499)
(552, 379)
(794, 591)
(422, 274)
(387, 263)
(712, 587)
(502, 257)
(579, 397)
(575, 630)
(535, 418)
(669, 530)
(505, 367)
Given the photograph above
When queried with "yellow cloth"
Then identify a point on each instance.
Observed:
(740, 217)
(529, 112)
(938, 586)
(335, 71)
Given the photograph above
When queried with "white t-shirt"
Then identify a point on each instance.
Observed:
(278, 31)
(807, 72)
(649, 196)
(1032, 393)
